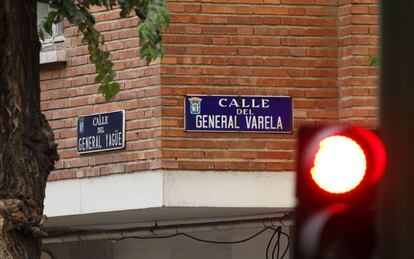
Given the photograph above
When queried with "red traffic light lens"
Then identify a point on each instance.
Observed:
(339, 164)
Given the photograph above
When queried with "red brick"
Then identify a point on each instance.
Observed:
(218, 9)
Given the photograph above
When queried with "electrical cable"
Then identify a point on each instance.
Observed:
(288, 241)
(277, 245)
(270, 242)
(277, 231)
(198, 239)
(287, 246)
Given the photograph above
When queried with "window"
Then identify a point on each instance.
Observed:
(53, 49)
(57, 35)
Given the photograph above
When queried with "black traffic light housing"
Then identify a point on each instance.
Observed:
(336, 225)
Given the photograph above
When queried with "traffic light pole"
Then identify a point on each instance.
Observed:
(396, 217)
(338, 170)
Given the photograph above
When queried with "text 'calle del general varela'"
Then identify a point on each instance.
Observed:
(238, 113)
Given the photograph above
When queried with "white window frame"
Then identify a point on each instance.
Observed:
(55, 38)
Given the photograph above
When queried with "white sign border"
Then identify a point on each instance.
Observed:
(101, 150)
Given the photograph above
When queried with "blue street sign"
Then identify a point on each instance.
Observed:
(271, 114)
(101, 132)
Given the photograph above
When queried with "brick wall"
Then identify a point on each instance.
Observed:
(357, 81)
(313, 50)
(247, 47)
(68, 91)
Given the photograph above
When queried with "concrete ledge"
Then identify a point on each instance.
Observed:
(241, 192)
(228, 189)
(52, 56)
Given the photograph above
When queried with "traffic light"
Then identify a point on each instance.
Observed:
(338, 170)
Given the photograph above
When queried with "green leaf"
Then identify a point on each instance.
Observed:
(373, 60)
(41, 34)
(113, 90)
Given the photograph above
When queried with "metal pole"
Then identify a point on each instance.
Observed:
(396, 205)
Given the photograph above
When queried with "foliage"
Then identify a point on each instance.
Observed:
(153, 16)
(373, 60)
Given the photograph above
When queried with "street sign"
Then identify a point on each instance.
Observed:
(227, 113)
(101, 132)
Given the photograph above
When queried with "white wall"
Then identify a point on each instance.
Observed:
(156, 189)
